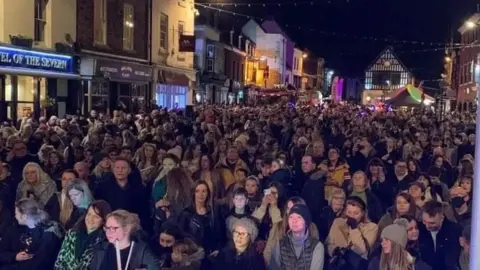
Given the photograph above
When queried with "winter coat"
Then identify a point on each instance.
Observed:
(68, 257)
(227, 172)
(341, 235)
(374, 206)
(314, 192)
(229, 259)
(445, 255)
(419, 264)
(276, 221)
(43, 242)
(141, 256)
(206, 230)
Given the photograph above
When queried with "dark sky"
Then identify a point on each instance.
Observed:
(412, 20)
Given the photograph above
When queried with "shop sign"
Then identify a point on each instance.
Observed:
(115, 70)
(186, 43)
(20, 58)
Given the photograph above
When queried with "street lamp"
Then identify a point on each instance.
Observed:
(448, 59)
(305, 55)
(470, 24)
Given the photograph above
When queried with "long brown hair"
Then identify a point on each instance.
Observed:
(398, 258)
(412, 210)
(179, 187)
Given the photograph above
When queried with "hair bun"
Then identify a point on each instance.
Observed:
(402, 222)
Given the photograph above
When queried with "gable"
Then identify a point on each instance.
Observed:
(387, 61)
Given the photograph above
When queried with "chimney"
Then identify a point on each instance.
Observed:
(231, 37)
(240, 42)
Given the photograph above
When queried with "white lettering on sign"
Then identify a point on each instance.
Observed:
(33, 61)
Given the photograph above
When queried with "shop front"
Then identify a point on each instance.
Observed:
(35, 82)
(173, 89)
(110, 84)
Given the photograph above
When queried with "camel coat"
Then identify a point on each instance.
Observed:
(341, 235)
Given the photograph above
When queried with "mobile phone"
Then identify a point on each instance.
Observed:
(267, 191)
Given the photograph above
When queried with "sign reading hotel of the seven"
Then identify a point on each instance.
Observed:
(19, 58)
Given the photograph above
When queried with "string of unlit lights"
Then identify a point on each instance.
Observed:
(422, 51)
(273, 4)
(331, 33)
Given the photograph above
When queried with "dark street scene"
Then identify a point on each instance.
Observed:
(239, 135)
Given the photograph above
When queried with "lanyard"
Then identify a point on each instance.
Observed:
(119, 261)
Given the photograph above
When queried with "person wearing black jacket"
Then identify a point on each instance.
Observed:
(242, 255)
(34, 243)
(313, 192)
(122, 191)
(17, 159)
(439, 238)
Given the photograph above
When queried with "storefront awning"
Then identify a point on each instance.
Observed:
(38, 73)
(172, 78)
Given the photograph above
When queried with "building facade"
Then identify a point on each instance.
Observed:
(173, 50)
(271, 50)
(210, 65)
(468, 61)
(235, 60)
(37, 66)
(298, 56)
(386, 74)
(115, 66)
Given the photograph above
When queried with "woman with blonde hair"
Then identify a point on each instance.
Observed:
(394, 253)
(123, 250)
(359, 186)
(36, 184)
(80, 197)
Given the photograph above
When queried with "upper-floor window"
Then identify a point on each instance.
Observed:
(128, 27)
(100, 21)
(40, 19)
(163, 31)
(181, 30)
(210, 51)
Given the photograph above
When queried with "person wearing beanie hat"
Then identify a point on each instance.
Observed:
(285, 254)
(394, 254)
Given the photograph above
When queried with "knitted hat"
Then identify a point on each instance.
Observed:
(397, 232)
(303, 211)
(249, 225)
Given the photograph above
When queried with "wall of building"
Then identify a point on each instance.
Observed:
(297, 62)
(177, 11)
(85, 26)
(202, 34)
(18, 18)
(234, 65)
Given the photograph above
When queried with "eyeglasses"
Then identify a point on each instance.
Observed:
(239, 234)
(110, 229)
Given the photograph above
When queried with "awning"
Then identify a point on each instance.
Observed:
(172, 78)
(38, 73)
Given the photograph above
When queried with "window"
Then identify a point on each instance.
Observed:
(100, 21)
(181, 29)
(128, 27)
(40, 20)
(163, 31)
(210, 51)
(210, 64)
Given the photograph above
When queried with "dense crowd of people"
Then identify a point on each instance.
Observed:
(230, 187)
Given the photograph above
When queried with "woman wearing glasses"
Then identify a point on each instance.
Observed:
(242, 254)
(77, 248)
(123, 249)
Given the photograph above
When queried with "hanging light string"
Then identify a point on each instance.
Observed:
(270, 4)
(424, 50)
(330, 33)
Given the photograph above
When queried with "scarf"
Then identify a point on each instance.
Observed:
(84, 240)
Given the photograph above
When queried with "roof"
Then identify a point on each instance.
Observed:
(276, 28)
(386, 50)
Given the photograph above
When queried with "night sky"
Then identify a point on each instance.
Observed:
(347, 51)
